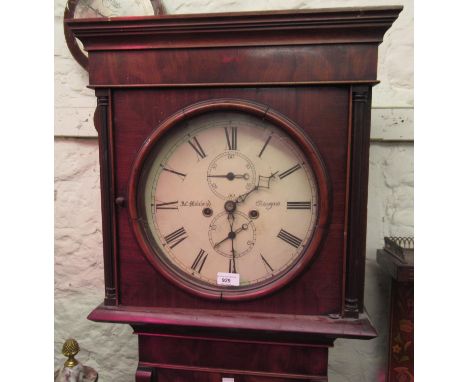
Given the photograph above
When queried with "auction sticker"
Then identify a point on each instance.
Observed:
(228, 279)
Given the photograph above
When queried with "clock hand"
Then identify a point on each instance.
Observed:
(244, 227)
(233, 256)
(231, 234)
(267, 179)
(242, 197)
(231, 176)
(231, 218)
(230, 207)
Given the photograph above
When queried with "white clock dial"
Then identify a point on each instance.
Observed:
(229, 192)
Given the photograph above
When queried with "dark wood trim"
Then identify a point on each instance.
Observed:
(300, 27)
(237, 84)
(346, 212)
(103, 113)
(315, 162)
(302, 377)
(145, 374)
(397, 269)
(215, 320)
(357, 215)
(145, 330)
(225, 335)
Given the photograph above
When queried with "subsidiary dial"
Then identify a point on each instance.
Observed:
(231, 174)
(241, 237)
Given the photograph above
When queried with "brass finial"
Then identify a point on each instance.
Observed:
(70, 349)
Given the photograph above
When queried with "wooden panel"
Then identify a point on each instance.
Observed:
(138, 112)
(248, 358)
(235, 65)
(171, 375)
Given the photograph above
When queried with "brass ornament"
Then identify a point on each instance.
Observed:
(70, 349)
(72, 370)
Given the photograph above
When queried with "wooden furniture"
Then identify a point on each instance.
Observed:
(310, 73)
(401, 317)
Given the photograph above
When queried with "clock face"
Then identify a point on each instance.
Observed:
(227, 202)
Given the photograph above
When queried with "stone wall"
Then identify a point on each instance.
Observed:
(112, 349)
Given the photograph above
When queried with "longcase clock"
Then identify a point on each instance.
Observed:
(234, 166)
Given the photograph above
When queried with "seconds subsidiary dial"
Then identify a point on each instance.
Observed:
(226, 192)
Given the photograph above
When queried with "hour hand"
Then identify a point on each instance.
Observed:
(232, 234)
(242, 197)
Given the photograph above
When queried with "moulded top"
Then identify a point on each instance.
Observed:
(350, 11)
(292, 27)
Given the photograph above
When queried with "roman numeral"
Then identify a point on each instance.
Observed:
(173, 171)
(264, 146)
(289, 172)
(232, 266)
(176, 237)
(298, 205)
(231, 138)
(168, 206)
(199, 261)
(196, 146)
(289, 238)
(268, 266)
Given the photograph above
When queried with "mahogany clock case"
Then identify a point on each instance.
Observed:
(162, 293)
(266, 117)
(316, 68)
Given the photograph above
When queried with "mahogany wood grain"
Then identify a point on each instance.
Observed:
(316, 68)
(275, 28)
(136, 117)
(235, 356)
(145, 374)
(357, 222)
(107, 195)
(262, 112)
(235, 65)
(185, 355)
(172, 373)
(294, 327)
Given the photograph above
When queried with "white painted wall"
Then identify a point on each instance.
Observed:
(79, 286)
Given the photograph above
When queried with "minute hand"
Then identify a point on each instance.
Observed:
(266, 179)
